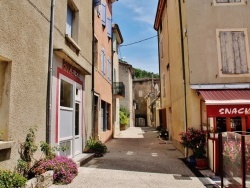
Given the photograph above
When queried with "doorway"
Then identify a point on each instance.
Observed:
(70, 117)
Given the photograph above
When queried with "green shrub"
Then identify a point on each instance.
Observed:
(125, 111)
(95, 146)
(11, 179)
(123, 118)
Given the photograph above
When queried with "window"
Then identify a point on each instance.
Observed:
(96, 53)
(140, 93)
(228, 2)
(232, 52)
(109, 69)
(66, 94)
(109, 27)
(105, 116)
(161, 47)
(103, 61)
(70, 20)
(164, 85)
(103, 13)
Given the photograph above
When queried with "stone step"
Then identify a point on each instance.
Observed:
(83, 158)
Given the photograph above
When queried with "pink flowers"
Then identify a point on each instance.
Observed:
(65, 170)
(194, 140)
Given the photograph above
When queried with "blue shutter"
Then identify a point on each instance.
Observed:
(109, 29)
(110, 70)
(103, 62)
(69, 21)
(103, 14)
(97, 2)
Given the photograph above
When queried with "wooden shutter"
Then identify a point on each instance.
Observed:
(240, 56)
(233, 52)
(103, 14)
(103, 61)
(109, 30)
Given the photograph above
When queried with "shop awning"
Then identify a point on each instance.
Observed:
(227, 97)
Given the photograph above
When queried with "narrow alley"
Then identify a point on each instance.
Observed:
(137, 158)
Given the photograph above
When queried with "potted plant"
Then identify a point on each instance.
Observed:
(195, 140)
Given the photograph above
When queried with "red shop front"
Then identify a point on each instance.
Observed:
(226, 110)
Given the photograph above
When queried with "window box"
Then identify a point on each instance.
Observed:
(6, 144)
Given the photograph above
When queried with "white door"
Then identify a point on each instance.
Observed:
(70, 118)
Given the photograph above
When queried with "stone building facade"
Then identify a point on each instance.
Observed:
(144, 88)
(24, 70)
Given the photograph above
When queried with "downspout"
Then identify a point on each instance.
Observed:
(112, 79)
(183, 71)
(49, 79)
(159, 61)
(93, 71)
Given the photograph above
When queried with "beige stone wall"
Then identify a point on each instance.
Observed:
(203, 18)
(171, 72)
(25, 42)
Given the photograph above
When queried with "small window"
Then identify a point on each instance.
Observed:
(232, 49)
(228, 2)
(140, 93)
(96, 53)
(69, 23)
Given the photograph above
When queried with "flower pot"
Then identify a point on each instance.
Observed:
(191, 160)
(201, 163)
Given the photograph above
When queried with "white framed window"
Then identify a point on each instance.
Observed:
(228, 2)
(233, 52)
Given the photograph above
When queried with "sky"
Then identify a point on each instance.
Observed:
(136, 19)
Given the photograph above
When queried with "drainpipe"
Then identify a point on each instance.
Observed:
(183, 71)
(112, 78)
(159, 64)
(49, 79)
(93, 71)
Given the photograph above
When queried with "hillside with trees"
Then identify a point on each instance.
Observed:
(144, 74)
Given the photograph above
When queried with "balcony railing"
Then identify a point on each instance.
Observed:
(119, 89)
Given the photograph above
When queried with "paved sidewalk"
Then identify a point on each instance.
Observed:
(137, 158)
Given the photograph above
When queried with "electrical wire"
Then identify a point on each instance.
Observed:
(138, 41)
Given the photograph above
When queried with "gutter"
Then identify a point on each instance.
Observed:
(93, 71)
(183, 71)
(50, 69)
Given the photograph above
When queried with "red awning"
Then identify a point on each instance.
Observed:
(215, 97)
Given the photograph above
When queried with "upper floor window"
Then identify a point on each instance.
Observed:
(96, 53)
(72, 26)
(70, 18)
(228, 2)
(233, 52)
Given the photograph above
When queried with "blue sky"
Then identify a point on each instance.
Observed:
(136, 19)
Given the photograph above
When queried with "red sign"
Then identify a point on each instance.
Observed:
(227, 110)
(70, 69)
